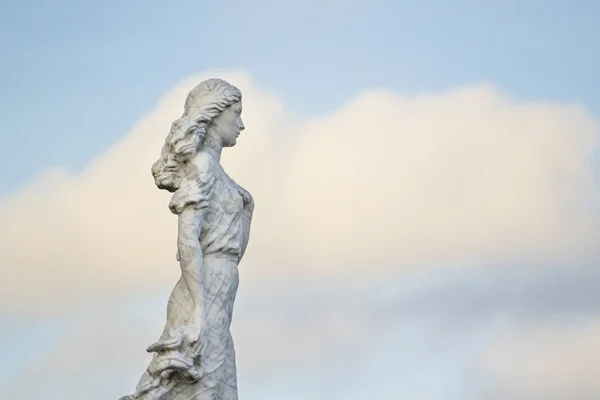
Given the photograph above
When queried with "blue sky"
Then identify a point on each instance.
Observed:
(75, 75)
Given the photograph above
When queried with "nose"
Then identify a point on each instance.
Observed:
(241, 125)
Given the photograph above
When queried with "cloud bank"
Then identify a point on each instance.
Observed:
(386, 188)
(385, 339)
(383, 183)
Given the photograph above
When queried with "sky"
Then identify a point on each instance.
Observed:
(426, 180)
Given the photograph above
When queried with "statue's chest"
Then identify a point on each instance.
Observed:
(226, 197)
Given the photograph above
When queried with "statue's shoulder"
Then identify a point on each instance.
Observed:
(203, 162)
(202, 167)
(197, 186)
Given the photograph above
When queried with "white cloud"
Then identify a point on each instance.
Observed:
(354, 340)
(551, 361)
(382, 183)
(100, 350)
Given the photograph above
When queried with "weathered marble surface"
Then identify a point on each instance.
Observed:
(195, 358)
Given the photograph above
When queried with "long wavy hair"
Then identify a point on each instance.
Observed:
(202, 105)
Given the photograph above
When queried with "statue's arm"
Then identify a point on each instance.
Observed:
(190, 202)
(191, 257)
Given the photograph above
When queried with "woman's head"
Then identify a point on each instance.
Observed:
(204, 104)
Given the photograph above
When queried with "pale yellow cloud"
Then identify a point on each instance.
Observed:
(382, 183)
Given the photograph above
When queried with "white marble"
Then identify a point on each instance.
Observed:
(194, 357)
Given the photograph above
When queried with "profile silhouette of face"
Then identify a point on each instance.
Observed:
(228, 125)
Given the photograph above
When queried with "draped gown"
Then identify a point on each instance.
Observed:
(227, 210)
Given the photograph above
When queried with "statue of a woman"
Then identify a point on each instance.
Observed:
(195, 358)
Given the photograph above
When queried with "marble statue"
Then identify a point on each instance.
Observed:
(194, 358)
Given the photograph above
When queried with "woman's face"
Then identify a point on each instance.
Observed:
(228, 125)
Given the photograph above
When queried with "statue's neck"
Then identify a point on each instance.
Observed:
(213, 147)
